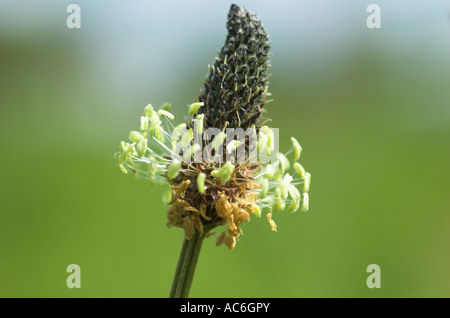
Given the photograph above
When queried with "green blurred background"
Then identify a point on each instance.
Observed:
(369, 106)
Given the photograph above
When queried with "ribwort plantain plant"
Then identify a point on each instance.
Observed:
(210, 187)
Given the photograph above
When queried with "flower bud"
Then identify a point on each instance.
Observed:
(166, 107)
(233, 145)
(257, 210)
(283, 162)
(148, 110)
(144, 124)
(299, 169)
(269, 171)
(177, 131)
(174, 169)
(297, 148)
(224, 173)
(187, 137)
(199, 123)
(307, 182)
(264, 187)
(166, 114)
(141, 147)
(218, 140)
(293, 206)
(136, 136)
(201, 182)
(305, 204)
(193, 108)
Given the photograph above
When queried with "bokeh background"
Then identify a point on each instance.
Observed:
(371, 108)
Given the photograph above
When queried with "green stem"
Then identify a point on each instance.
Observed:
(187, 262)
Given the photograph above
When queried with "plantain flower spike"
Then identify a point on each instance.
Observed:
(204, 193)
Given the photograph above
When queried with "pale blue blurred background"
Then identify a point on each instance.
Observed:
(369, 106)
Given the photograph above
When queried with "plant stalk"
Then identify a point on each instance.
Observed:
(184, 273)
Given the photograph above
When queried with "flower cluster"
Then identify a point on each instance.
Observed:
(210, 187)
(205, 194)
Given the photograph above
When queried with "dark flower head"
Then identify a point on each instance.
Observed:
(235, 90)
